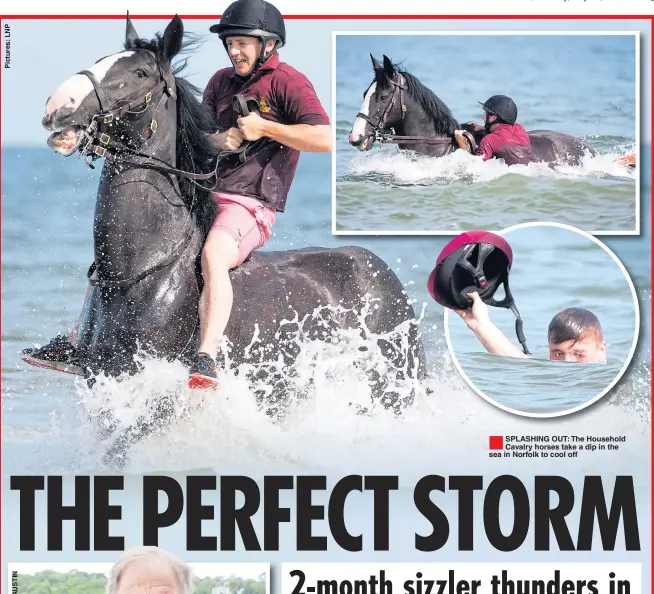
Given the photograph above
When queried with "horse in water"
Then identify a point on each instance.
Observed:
(422, 122)
(153, 212)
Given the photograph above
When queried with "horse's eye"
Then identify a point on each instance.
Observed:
(384, 97)
(141, 73)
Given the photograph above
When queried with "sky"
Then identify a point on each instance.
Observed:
(44, 53)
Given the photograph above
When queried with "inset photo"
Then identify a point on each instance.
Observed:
(442, 132)
(541, 320)
(142, 569)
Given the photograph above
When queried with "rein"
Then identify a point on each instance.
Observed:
(446, 140)
(397, 139)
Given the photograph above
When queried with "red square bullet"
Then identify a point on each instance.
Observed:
(496, 442)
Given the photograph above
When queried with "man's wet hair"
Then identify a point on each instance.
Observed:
(574, 323)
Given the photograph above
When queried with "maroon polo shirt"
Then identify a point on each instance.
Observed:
(508, 142)
(285, 96)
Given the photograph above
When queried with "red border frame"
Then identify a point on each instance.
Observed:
(405, 17)
(377, 17)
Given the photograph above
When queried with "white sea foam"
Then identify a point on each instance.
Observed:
(410, 168)
(444, 430)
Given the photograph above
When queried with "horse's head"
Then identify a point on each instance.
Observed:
(382, 105)
(118, 90)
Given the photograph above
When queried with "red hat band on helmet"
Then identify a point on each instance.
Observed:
(476, 237)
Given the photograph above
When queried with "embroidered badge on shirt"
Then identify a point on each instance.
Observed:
(263, 106)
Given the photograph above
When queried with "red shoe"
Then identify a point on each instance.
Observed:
(202, 374)
(57, 355)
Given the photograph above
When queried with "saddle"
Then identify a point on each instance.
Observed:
(472, 136)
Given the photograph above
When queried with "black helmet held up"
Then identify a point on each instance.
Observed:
(503, 107)
(252, 18)
(475, 262)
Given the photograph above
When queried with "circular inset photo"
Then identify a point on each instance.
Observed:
(541, 320)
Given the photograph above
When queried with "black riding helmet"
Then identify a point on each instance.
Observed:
(503, 107)
(475, 262)
(252, 18)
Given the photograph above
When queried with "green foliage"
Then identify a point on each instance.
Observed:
(79, 582)
(233, 585)
(52, 582)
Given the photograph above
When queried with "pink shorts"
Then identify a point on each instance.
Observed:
(247, 220)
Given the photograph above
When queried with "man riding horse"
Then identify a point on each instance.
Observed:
(249, 191)
(503, 139)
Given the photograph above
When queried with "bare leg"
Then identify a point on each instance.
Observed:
(219, 255)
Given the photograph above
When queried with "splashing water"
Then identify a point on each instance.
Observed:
(323, 429)
(406, 168)
(444, 430)
(331, 377)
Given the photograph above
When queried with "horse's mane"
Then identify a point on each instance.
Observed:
(433, 106)
(195, 151)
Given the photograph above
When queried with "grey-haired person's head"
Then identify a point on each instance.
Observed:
(144, 570)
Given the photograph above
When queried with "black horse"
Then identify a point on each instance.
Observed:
(152, 214)
(422, 122)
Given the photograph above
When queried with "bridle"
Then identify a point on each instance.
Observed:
(379, 126)
(96, 143)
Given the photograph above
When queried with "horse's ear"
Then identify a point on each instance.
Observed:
(172, 38)
(131, 36)
(388, 67)
(376, 65)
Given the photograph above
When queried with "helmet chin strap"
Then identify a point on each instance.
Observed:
(518, 329)
(509, 303)
(484, 286)
(488, 125)
(263, 58)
